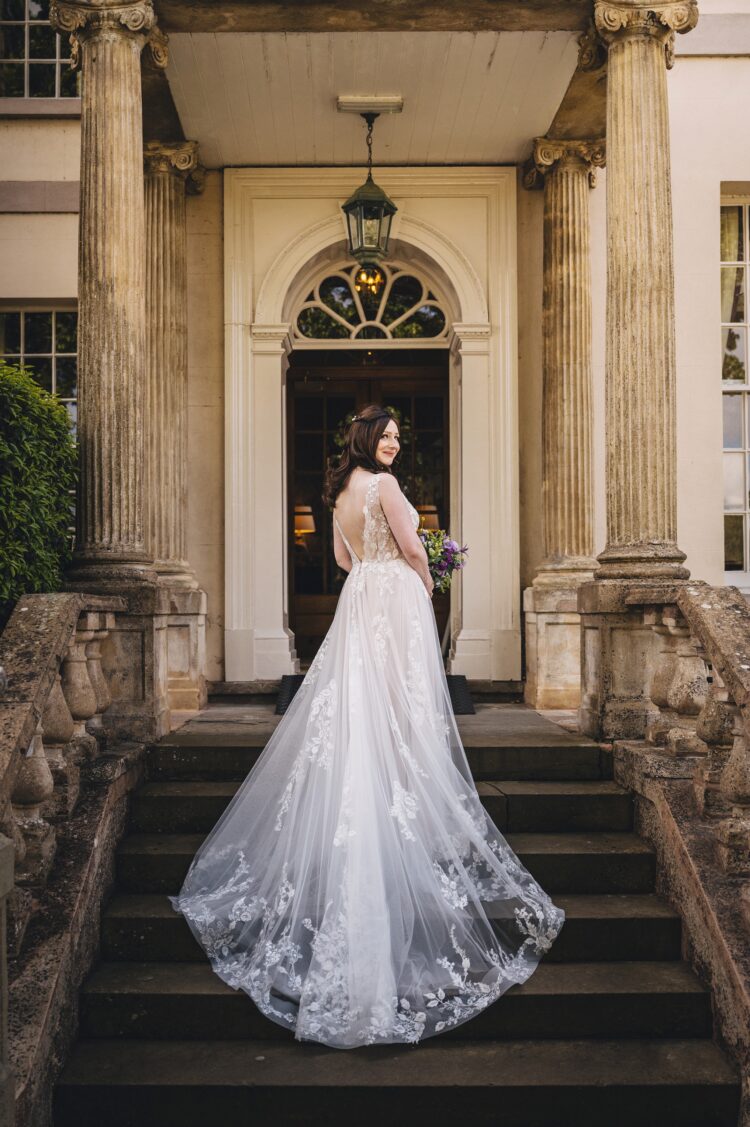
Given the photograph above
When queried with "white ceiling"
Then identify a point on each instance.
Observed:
(270, 99)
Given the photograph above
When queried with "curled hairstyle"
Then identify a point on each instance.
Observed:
(362, 438)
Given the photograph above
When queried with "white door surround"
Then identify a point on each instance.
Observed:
(281, 227)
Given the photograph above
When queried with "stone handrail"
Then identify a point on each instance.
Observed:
(53, 691)
(700, 691)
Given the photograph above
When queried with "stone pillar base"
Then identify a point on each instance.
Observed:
(186, 646)
(553, 644)
(617, 656)
(134, 653)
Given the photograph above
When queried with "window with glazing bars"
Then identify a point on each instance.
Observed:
(736, 397)
(34, 59)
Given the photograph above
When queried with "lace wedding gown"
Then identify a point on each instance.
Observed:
(355, 888)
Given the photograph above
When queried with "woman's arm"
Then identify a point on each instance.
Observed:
(404, 532)
(340, 550)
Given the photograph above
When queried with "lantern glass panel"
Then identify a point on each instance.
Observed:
(351, 219)
(371, 231)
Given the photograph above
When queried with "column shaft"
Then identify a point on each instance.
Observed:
(111, 301)
(640, 347)
(566, 334)
(167, 167)
(108, 40)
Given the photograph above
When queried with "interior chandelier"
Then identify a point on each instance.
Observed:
(369, 213)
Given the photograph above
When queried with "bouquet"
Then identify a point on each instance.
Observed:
(443, 556)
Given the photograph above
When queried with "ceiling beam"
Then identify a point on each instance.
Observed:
(375, 15)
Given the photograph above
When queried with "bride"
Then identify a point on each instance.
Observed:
(355, 888)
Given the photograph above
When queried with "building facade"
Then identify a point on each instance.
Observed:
(570, 245)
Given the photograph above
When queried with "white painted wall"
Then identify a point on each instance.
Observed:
(706, 96)
(39, 253)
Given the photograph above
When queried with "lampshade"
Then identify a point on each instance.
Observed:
(428, 517)
(304, 521)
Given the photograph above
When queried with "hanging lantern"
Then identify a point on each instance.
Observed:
(369, 213)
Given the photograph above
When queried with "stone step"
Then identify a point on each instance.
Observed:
(571, 1083)
(596, 928)
(624, 999)
(224, 760)
(568, 862)
(515, 806)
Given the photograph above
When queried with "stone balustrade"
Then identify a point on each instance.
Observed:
(699, 693)
(52, 695)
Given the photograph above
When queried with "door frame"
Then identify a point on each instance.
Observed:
(282, 226)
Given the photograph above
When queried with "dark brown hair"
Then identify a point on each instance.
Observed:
(362, 438)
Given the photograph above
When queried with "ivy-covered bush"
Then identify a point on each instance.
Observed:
(37, 473)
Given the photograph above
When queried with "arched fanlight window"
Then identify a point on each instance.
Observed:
(404, 309)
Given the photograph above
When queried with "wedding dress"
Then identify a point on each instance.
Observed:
(355, 888)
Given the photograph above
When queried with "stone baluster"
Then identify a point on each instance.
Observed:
(640, 351)
(58, 728)
(32, 789)
(170, 170)
(553, 669)
(733, 831)
(79, 692)
(715, 727)
(679, 685)
(107, 42)
(665, 657)
(101, 624)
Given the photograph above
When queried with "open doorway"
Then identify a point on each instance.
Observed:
(324, 388)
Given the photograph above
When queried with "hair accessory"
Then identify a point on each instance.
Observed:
(354, 417)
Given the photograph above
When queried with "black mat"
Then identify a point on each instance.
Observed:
(457, 687)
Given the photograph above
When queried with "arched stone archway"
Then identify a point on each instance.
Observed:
(262, 290)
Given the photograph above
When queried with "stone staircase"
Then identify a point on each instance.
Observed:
(613, 1028)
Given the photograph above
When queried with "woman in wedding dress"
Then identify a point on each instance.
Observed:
(355, 888)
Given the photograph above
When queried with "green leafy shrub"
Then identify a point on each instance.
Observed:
(37, 472)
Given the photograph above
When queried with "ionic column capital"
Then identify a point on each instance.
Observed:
(84, 19)
(550, 153)
(620, 20)
(176, 158)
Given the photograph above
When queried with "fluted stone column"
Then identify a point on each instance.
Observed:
(640, 347)
(169, 170)
(641, 560)
(552, 622)
(107, 44)
(112, 555)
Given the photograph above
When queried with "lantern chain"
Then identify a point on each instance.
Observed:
(370, 119)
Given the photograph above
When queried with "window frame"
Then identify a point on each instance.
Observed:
(27, 60)
(52, 307)
(740, 389)
(354, 339)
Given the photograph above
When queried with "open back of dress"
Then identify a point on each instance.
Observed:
(355, 887)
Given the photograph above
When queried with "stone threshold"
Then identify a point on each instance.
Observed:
(270, 687)
(62, 941)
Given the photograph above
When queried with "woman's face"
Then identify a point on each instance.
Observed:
(388, 444)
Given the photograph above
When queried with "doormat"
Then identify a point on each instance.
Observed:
(458, 688)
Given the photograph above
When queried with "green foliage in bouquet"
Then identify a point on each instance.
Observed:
(444, 556)
(37, 473)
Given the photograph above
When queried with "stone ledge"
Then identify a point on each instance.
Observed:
(711, 904)
(63, 937)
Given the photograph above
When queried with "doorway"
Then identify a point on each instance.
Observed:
(324, 389)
